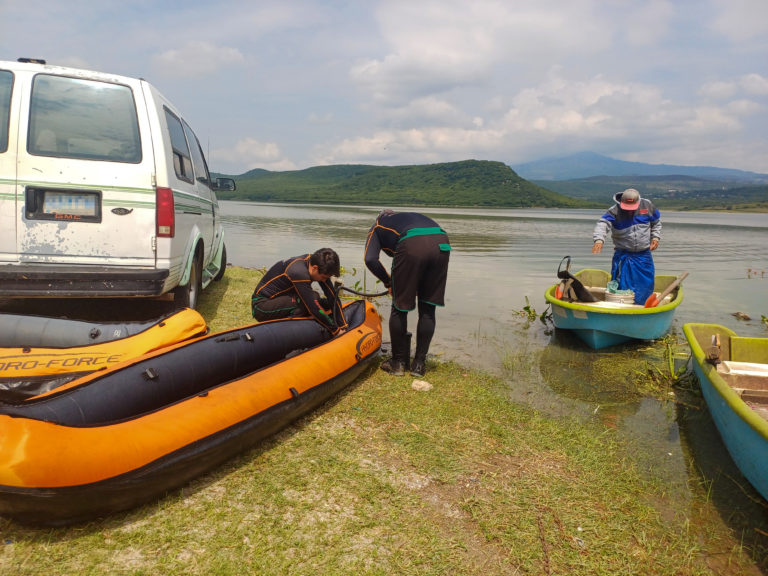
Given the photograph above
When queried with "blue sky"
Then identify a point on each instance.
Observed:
(289, 84)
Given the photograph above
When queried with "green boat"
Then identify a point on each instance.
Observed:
(733, 373)
(608, 319)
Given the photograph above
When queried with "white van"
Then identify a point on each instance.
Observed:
(104, 189)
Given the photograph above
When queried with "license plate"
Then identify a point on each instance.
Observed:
(75, 204)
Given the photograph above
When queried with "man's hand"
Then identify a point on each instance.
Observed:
(597, 247)
(654, 243)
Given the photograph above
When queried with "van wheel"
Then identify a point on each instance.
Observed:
(220, 273)
(186, 296)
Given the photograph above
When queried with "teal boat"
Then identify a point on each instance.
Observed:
(733, 373)
(609, 319)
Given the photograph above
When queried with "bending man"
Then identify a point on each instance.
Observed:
(286, 290)
(420, 250)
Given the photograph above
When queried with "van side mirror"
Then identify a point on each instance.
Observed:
(224, 184)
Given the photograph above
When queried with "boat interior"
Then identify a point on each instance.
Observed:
(595, 283)
(742, 363)
(606, 299)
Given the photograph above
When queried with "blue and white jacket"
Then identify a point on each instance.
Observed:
(630, 231)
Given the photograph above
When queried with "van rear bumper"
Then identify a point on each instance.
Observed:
(51, 281)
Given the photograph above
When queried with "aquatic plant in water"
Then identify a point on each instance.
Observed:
(529, 313)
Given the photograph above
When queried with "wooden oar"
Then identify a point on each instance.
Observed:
(654, 299)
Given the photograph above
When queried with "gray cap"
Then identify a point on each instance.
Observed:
(630, 199)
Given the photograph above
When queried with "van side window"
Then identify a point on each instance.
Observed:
(86, 119)
(6, 83)
(182, 162)
(198, 160)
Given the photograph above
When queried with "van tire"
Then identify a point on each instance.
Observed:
(220, 273)
(186, 296)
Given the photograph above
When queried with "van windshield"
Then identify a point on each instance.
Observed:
(76, 118)
(6, 82)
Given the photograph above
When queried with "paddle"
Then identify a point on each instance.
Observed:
(654, 299)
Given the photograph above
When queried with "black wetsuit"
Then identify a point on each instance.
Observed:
(420, 252)
(286, 290)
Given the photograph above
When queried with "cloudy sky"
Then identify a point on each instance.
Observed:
(289, 84)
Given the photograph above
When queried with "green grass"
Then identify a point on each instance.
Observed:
(387, 480)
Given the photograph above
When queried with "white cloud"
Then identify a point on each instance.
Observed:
(741, 19)
(315, 118)
(744, 107)
(750, 85)
(250, 153)
(413, 146)
(439, 46)
(559, 114)
(754, 85)
(648, 22)
(423, 145)
(708, 119)
(593, 108)
(197, 59)
(718, 90)
(428, 110)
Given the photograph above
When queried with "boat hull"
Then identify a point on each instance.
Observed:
(743, 431)
(204, 401)
(602, 324)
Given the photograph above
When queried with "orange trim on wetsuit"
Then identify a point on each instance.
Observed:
(385, 234)
(292, 275)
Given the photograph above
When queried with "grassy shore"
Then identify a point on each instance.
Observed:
(385, 479)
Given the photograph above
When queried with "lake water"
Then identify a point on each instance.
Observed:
(502, 257)
(503, 260)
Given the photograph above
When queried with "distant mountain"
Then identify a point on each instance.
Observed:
(589, 164)
(465, 183)
(676, 192)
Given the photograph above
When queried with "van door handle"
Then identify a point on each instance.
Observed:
(30, 200)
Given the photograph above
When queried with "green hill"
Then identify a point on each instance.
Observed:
(466, 183)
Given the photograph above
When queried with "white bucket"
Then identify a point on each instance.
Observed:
(620, 298)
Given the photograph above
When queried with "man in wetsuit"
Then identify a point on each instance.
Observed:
(635, 226)
(419, 249)
(286, 290)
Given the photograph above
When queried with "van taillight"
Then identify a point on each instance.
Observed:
(166, 217)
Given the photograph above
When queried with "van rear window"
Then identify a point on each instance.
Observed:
(6, 83)
(86, 119)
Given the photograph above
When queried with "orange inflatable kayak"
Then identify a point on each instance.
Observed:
(39, 353)
(119, 437)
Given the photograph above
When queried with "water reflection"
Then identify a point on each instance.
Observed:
(714, 477)
(601, 377)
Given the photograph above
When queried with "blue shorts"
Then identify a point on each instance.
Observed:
(634, 271)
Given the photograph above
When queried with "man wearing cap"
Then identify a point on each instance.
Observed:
(635, 225)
